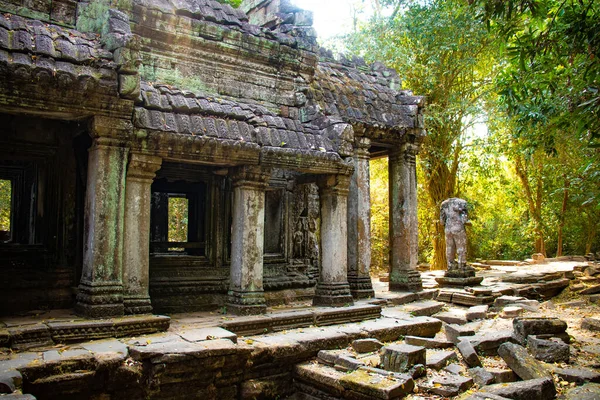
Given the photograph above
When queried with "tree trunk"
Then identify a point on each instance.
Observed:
(561, 222)
(534, 201)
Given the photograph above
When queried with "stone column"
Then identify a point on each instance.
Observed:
(100, 292)
(246, 294)
(359, 224)
(333, 288)
(404, 235)
(136, 251)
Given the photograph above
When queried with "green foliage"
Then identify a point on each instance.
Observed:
(178, 219)
(379, 216)
(5, 204)
(232, 3)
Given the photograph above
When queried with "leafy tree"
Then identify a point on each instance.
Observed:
(445, 53)
(5, 204)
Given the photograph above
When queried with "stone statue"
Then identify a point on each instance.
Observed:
(454, 216)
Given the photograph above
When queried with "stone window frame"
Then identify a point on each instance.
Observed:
(197, 194)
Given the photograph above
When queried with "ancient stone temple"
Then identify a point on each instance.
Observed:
(115, 115)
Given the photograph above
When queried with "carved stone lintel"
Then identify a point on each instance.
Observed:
(251, 176)
(333, 294)
(335, 184)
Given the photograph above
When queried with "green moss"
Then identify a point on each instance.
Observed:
(93, 16)
(171, 77)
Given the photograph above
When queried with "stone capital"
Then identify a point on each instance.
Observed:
(361, 147)
(406, 152)
(251, 176)
(143, 167)
(336, 184)
(107, 127)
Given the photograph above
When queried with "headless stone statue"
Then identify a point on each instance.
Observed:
(454, 217)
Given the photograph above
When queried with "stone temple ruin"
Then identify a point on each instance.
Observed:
(112, 111)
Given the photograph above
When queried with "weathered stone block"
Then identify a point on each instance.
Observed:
(577, 375)
(523, 327)
(550, 351)
(450, 385)
(521, 362)
(589, 391)
(487, 343)
(376, 385)
(366, 345)
(438, 359)
(532, 389)
(469, 354)
(399, 358)
(451, 318)
(481, 376)
(428, 343)
(477, 312)
(454, 331)
(347, 363)
(591, 324)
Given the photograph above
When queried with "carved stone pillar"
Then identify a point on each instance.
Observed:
(246, 294)
(332, 287)
(136, 252)
(404, 235)
(359, 224)
(100, 292)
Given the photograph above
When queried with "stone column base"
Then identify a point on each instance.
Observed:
(361, 287)
(99, 301)
(408, 281)
(333, 295)
(137, 305)
(467, 281)
(246, 303)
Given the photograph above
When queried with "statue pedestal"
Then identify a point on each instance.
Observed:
(459, 277)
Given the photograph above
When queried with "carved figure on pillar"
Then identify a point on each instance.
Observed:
(246, 293)
(454, 217)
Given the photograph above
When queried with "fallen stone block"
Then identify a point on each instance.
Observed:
(428, 343)
(328, 357)
(423, 308)
(595, 298)
(481, 376)
(506, 300)
(440, 358)
(376, 385)
(471, 300)
(17, 396)
(366, 345)
(591, 324)
(417, 371)
(477, 312)
(454, 368)
(529, 305)
(10, 381)
(400, 357)
(523, 364)
(589, 391)
(198, 335)
(468, 353)
(453, 331)
(524, 327)
(577, 375)
(591, 290)
(487, 343)
(347, 363)
(549, 351)
(532, 389)
(321, 377)
(450, 385)
(485, 396)
(511, 312)
(503, 375)
(451, 318)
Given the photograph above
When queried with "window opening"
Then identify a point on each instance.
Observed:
(178, 212)
(6, 210)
